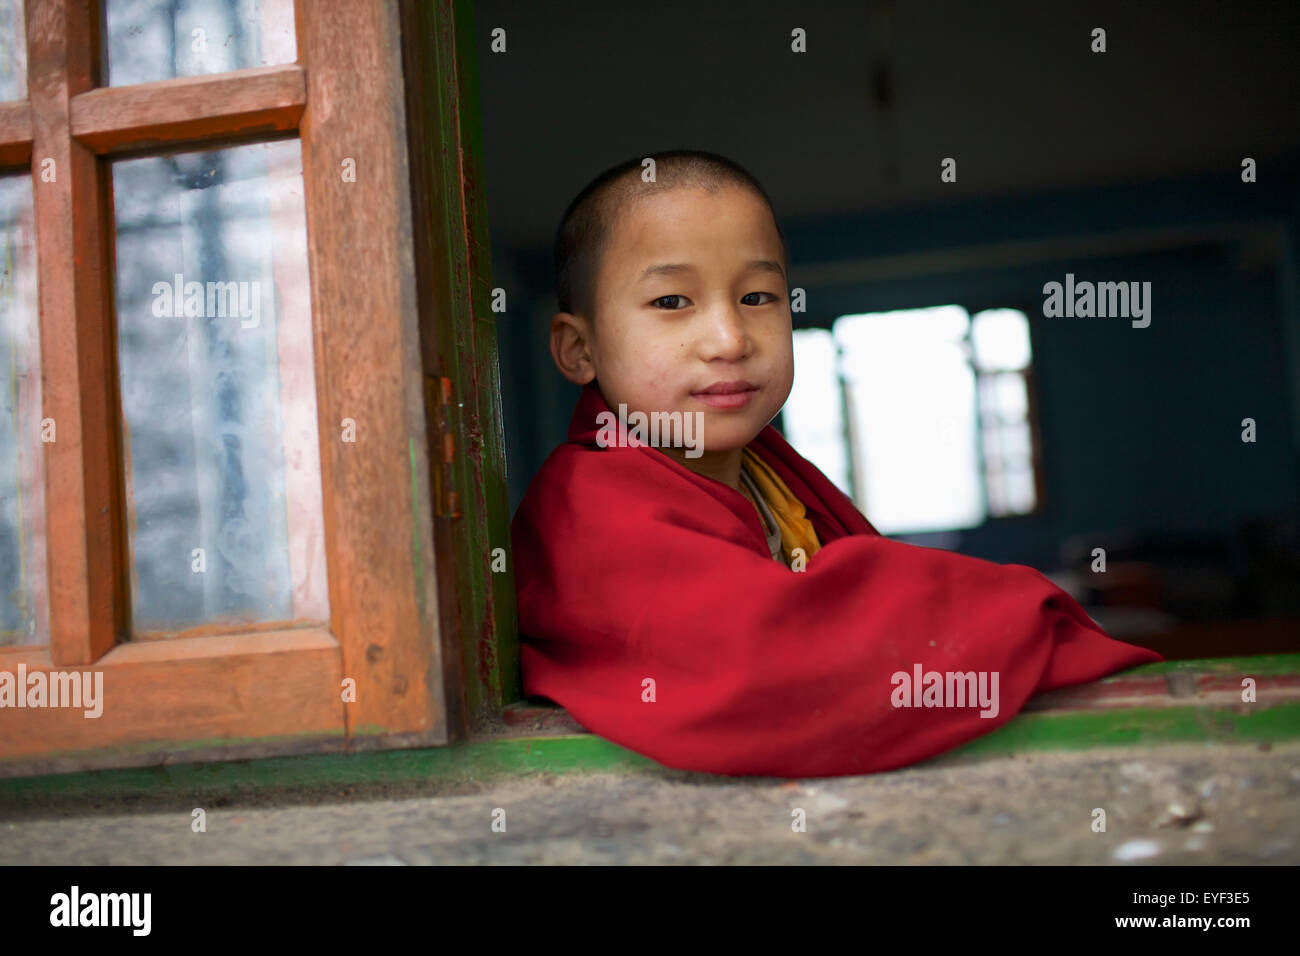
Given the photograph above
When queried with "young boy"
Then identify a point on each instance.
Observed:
(705, 596)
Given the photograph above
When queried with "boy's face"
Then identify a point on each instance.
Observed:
(691, 295)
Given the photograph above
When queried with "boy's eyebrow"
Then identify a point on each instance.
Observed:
(666, 269)
(765, 265)
(677, 268)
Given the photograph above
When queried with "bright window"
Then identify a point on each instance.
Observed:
(923, 416)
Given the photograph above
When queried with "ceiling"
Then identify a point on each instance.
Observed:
(886, 90)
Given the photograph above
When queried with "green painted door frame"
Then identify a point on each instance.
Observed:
(459, 351)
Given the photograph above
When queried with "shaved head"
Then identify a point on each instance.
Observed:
(588, 222)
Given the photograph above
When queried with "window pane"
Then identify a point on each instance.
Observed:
(996, 491)
(24, 617)
(13, 51)
(813, 416)
(1001, 339)
(912, 401)
(1008, 396)
(1014, 443)
(148, 40)
(1019, 486)
(218, 388)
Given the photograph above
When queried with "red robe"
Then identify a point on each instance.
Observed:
(630, 566)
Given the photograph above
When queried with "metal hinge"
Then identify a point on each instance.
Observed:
(443, 421)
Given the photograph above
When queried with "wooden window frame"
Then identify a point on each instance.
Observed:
(240, 693)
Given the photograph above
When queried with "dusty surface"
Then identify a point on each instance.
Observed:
(1190, 803)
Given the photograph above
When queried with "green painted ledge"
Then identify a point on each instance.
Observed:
(480, 761)
(459, 763)
(1265, 665)
(1137, 727)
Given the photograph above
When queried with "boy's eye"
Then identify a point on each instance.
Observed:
(667, 298)
(670, 301)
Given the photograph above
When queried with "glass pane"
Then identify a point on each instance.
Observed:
(813, 414)
(1008, 397)
(13, 51)
(1014, 443)
(1001, 339)
(1020, 497)
(218, 388)
(912, 405)
(148, 40)
(992, 437)
(996, 492)
(24, 612)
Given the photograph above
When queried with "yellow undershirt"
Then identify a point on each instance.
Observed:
(788, 511)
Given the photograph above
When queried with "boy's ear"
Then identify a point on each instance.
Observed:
(570, 348)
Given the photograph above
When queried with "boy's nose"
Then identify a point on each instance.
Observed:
(725, 335)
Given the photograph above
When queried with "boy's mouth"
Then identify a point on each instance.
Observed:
(732, 394)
